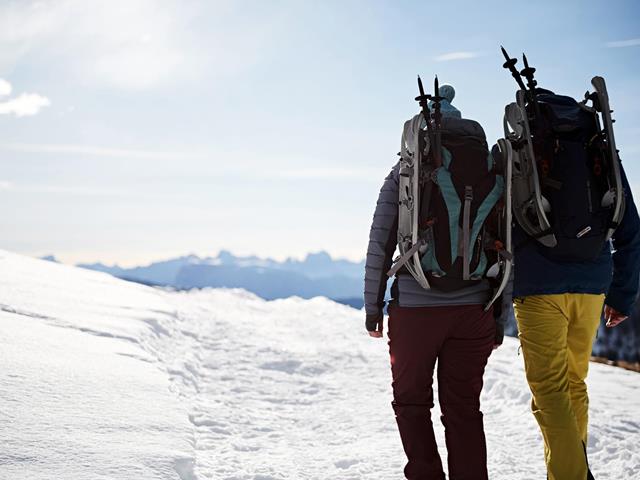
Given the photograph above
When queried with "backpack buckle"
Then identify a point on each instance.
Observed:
(468, 193)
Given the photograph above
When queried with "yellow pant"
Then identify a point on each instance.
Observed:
(556, 334)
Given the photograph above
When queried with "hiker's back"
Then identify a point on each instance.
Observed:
(451, 205)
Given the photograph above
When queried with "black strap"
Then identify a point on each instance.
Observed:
(425, 200)
(466, 219)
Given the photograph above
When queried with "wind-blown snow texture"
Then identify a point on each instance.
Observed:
(103, 378)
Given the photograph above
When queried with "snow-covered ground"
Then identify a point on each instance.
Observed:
(105, 379)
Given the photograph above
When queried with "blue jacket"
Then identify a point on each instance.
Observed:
(615, 272)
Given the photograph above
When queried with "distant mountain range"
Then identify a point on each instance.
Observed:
(317, 275)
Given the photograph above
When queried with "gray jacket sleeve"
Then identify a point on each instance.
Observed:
(383, 238)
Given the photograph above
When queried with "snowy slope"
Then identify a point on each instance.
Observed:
(107, 379)
(81, 394)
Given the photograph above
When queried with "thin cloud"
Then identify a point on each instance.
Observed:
(131, 45)
(73, 190)
(632, 42)
(5, 88)
(447, 57)
(96, 151)
(24, 105)
(136, 45)
(69, 190)
(331, 173)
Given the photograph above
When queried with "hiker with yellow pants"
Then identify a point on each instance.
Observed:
(576, 254)
(558, 307)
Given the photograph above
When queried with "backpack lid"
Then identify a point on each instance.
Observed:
(564, 113)
(462, 127)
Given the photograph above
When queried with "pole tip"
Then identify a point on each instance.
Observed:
(506, 56)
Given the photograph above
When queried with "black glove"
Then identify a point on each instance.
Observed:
(499, 333)
(373, 322)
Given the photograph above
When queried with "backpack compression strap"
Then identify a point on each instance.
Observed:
(466, 234)
(400, 261)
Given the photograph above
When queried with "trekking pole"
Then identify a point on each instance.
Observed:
(527, 72)
(434, 135)
(437, 119)
(423, 100)
(426, 181)
(510, 65)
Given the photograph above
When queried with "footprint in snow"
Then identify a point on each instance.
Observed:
(287, 366)
(344, 464)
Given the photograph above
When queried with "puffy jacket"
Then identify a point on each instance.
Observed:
(615, 272)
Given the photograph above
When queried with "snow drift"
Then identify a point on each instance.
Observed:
(103, 378)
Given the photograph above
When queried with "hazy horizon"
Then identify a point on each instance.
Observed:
(201, 255)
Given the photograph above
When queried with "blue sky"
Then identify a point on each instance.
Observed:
(140, 130)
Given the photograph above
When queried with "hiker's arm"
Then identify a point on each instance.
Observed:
(626, 257)
(382, 244)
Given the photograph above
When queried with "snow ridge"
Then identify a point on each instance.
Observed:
(108, 379)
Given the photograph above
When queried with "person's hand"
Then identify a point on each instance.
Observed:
(374, 325)
(377, 333)
(613, 317)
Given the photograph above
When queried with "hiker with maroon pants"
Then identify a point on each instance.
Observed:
(426, 325)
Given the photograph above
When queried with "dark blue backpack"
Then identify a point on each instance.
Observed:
(572, 167)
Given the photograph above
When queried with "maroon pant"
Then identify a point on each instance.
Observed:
(461, 339)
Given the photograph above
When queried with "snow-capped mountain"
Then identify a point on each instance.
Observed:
(317, 274)
(103, 378)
